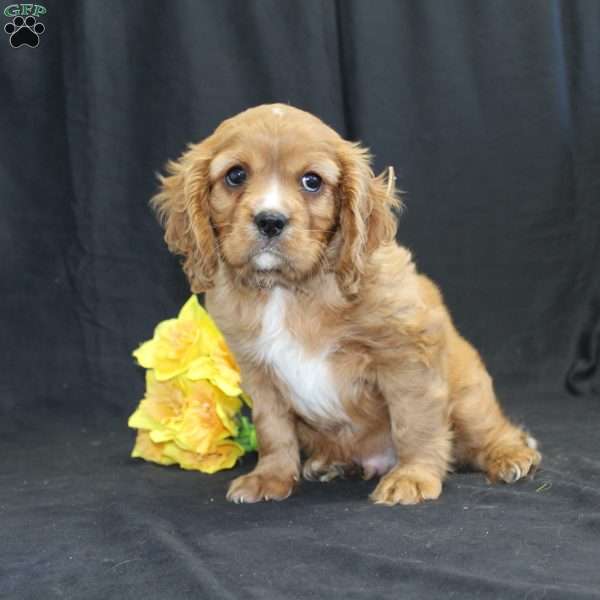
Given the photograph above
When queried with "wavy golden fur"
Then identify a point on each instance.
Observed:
(349, 354)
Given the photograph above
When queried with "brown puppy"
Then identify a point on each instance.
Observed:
(348, 353)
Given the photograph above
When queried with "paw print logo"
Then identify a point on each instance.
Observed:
(24, 31)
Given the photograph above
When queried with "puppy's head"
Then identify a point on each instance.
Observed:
(275, 196)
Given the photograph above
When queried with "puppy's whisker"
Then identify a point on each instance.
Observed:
(314, 230)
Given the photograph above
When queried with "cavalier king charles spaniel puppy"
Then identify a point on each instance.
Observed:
(348, 352)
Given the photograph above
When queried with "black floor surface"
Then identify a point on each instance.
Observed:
(80, 519)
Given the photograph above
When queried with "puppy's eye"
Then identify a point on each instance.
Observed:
(311, 182)
(235, 176)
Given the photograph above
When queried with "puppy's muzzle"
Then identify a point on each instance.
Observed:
(270, 224)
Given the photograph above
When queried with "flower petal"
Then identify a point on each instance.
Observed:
(148, 450)
(222, 456)
(145, 354)
(141, 420)
(217, 372)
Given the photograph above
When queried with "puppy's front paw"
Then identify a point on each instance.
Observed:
(512, 463)
(257, 486)
(407, 485)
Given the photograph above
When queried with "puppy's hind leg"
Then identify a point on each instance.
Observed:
(326, 460)
(485, 439)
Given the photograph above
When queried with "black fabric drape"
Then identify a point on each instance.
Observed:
(490, 113)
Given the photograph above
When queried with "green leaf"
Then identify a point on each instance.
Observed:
(246, 437)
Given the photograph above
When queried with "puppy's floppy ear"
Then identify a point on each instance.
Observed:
(182, 208)
(366, 219)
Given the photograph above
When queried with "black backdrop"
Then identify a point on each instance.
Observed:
(490, 113)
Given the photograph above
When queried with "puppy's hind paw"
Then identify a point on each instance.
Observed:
(315, 469)
(512, 463)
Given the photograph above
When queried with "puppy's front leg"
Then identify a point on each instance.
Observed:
(417, 403)
(277, 471)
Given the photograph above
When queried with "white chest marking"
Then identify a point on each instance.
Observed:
(308, 377)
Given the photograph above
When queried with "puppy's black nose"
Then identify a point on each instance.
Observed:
(270, 224)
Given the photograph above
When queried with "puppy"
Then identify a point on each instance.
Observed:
(349, 354)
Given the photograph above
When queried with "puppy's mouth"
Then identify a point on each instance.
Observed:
(268, 259)
(267, 256)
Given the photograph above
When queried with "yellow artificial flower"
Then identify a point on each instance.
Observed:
(162, 405)
(190, 412)
(191, 344)
(207, 418)
(223, 455)
(193, 414)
